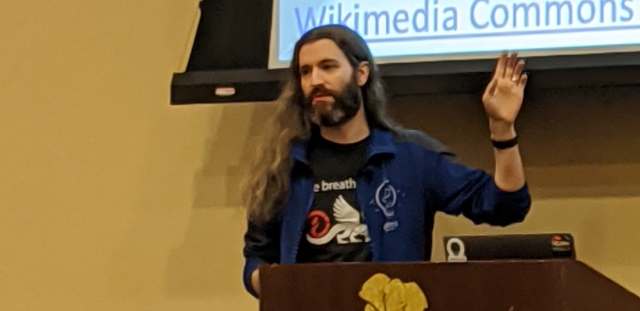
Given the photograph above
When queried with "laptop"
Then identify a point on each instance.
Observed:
(509, 247)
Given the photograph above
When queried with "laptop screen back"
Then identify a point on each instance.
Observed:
(509, 247)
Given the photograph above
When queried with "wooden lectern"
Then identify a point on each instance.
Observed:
(545, 285)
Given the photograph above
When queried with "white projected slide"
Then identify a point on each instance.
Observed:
(432, 30)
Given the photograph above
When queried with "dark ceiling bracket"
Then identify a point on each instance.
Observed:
(462, 77)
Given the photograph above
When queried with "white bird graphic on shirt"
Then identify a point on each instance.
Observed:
(347, 228)
(344, 212)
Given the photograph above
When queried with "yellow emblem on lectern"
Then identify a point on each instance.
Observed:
(385, 294)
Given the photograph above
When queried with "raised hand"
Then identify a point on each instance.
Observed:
(503, 97)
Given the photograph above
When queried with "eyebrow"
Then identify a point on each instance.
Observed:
(323, 61)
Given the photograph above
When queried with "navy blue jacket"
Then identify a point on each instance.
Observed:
(404, 183)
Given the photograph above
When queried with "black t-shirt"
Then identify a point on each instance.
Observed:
(334, 230)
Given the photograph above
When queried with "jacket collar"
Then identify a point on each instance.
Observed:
(381, 142)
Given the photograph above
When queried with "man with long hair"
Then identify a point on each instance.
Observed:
(338, 181)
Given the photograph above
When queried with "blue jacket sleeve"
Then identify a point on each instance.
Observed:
(261, 246)
(457, 189)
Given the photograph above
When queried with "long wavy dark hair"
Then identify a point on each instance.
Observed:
(267, 184)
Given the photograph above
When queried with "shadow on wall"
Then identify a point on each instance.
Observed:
(202, 265)
(229, 147)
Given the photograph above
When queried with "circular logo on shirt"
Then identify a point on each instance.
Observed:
(386, 197)
(319, 224)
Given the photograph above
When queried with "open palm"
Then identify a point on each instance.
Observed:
(503, 97)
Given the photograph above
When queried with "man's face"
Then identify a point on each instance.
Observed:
(330, 85)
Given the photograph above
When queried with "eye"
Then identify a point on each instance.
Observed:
(328, 66)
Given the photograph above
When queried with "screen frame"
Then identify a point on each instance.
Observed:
(274, 63)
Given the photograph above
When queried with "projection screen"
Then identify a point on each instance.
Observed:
(407, 31)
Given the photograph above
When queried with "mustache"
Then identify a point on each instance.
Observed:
(321, 92)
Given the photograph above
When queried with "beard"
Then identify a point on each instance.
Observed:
(344, 107)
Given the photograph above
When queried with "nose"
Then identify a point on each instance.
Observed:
(316, 78)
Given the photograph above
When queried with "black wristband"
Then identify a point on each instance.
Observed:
(501, 145)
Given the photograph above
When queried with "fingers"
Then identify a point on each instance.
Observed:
(517, 71)
(508, 66)
(511, 63)
(523, 80)
(500, 66)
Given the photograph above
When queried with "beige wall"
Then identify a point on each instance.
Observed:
(113, 200)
